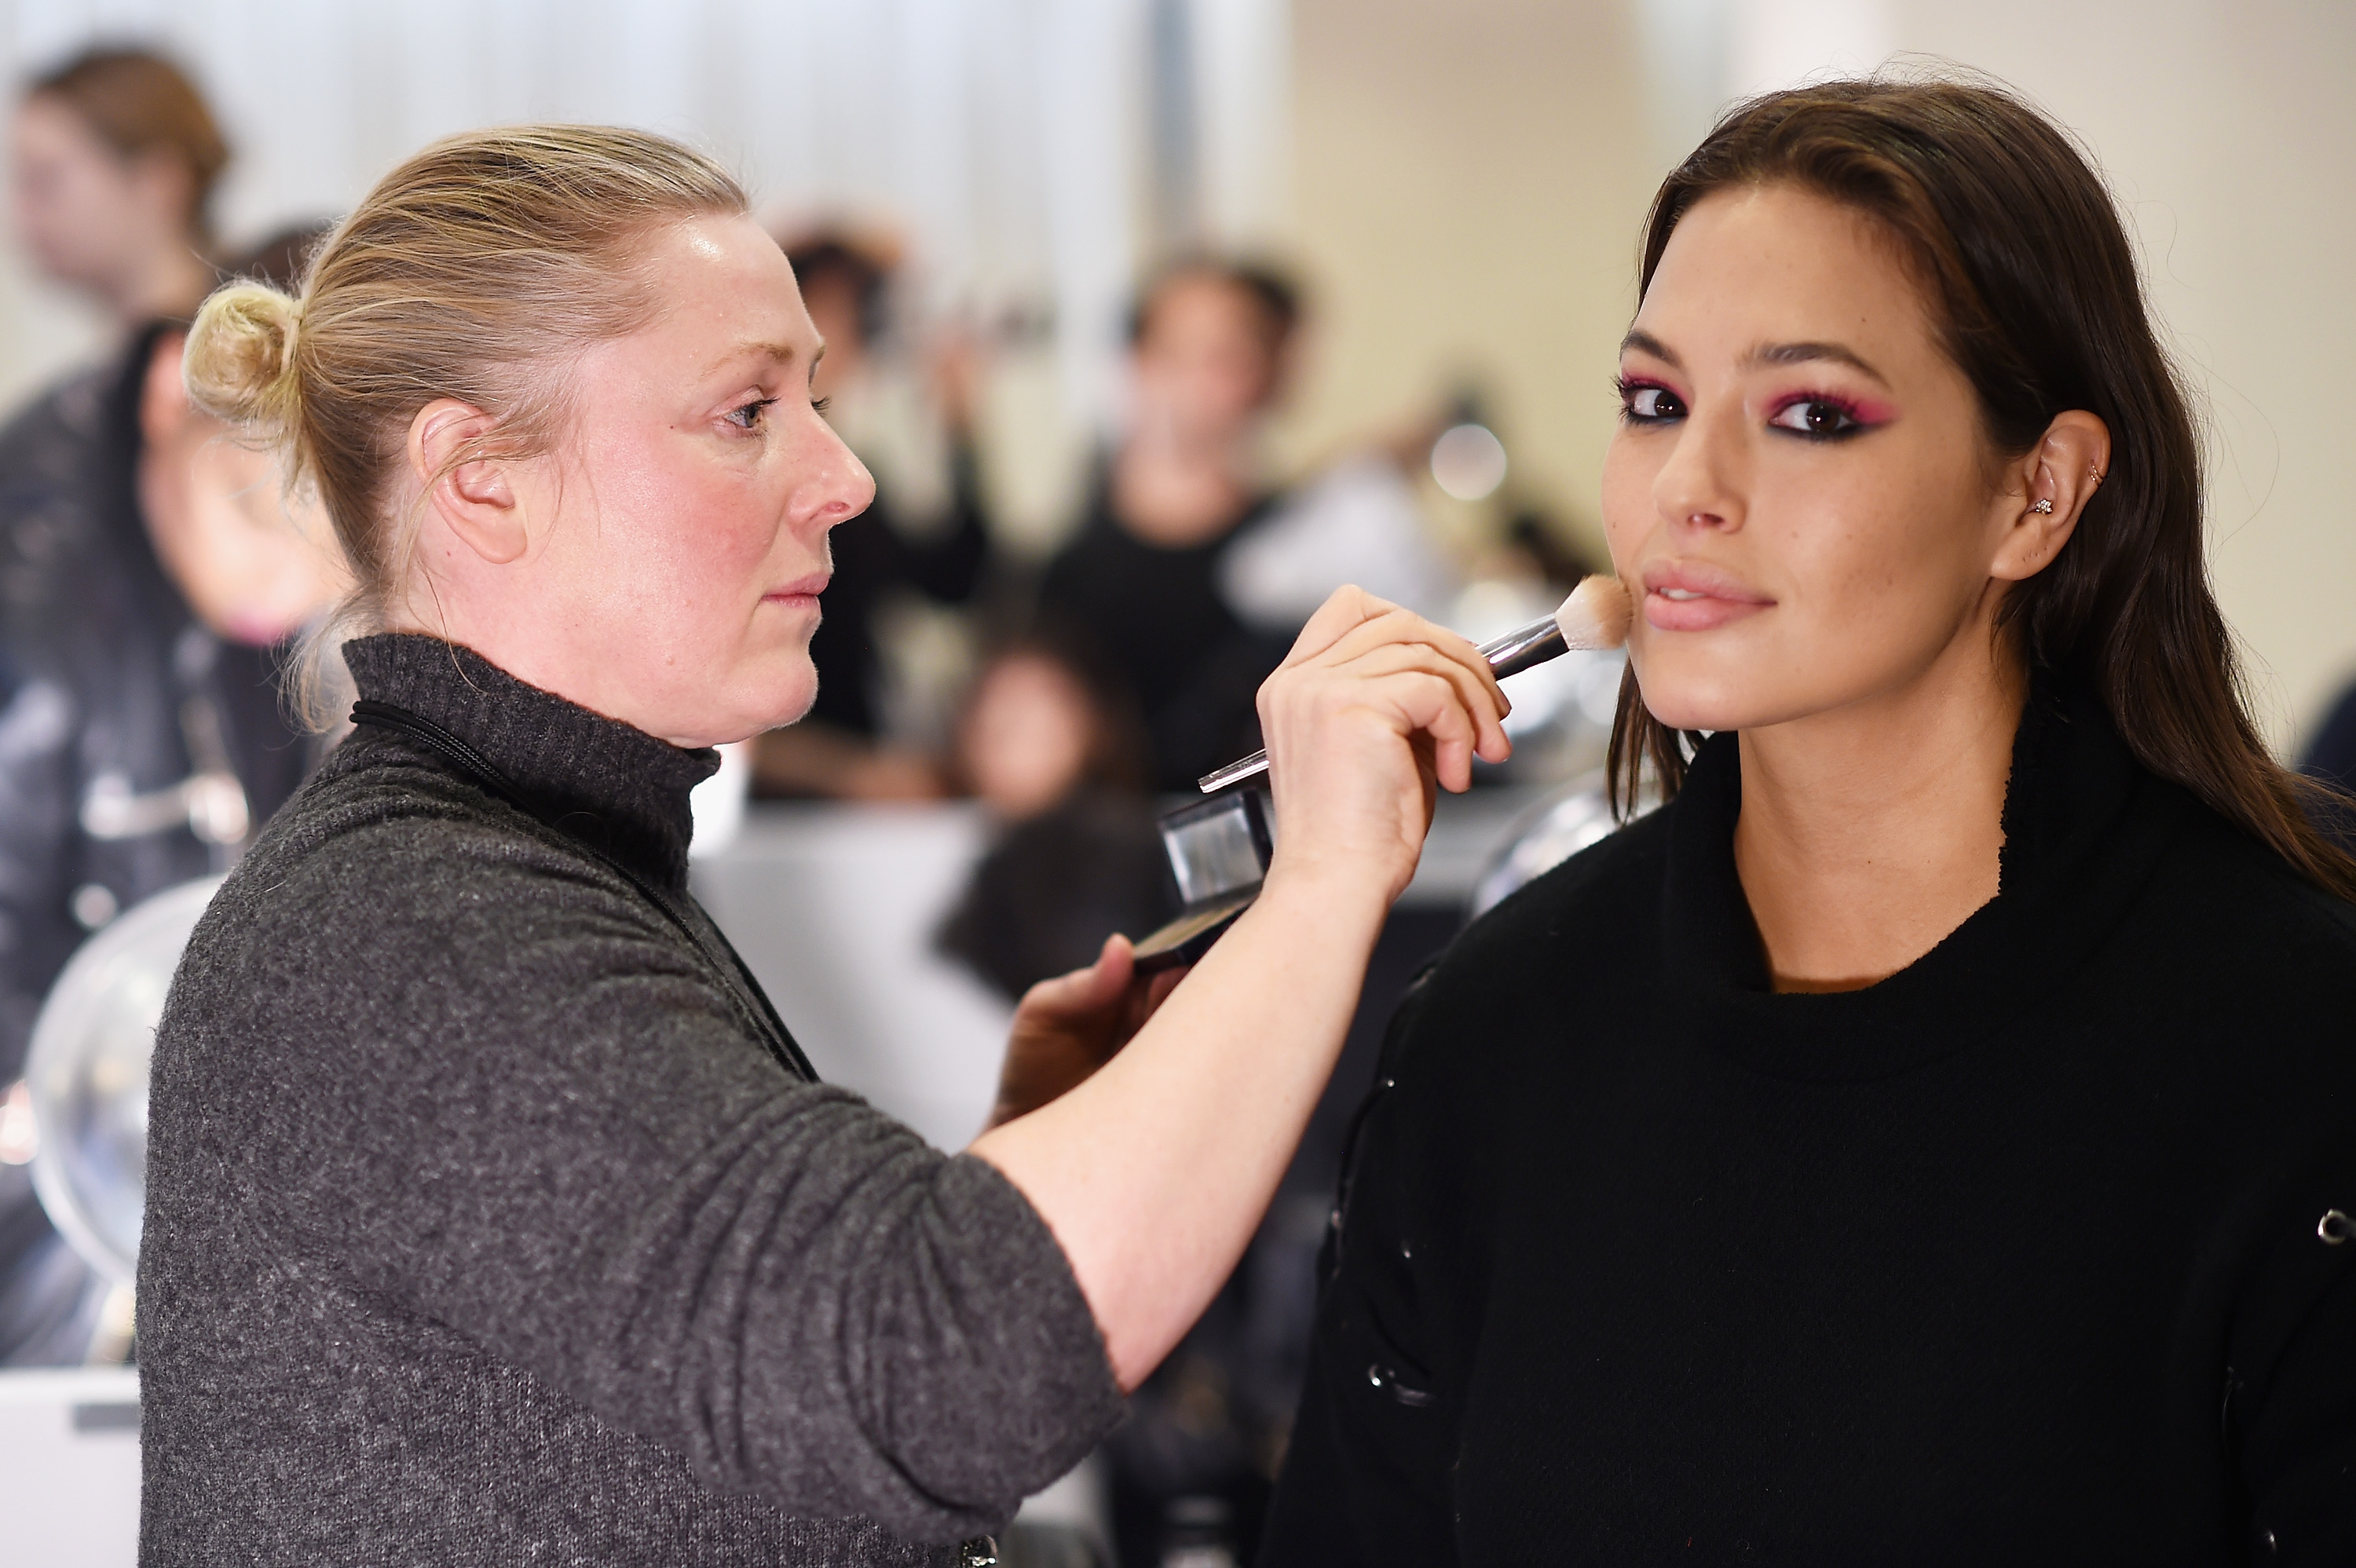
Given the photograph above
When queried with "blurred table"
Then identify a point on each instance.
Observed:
(69, 1468)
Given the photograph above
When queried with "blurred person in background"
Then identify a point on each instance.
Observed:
(2330, 760)
(1050, 750)
(152, 579)
(114, 156)
(1190, 573)
(1138, 584)
(925, 535)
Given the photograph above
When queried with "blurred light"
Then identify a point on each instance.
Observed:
(1467, 462)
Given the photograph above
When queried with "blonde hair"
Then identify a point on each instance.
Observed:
(475, 271)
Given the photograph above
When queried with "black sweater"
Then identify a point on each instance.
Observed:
(2025, 1254)
(483, 1226)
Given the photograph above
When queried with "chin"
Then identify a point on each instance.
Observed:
(1696, 699)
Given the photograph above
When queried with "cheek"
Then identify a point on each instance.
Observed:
(1888, 551)
(1629, 467)
(697, 529)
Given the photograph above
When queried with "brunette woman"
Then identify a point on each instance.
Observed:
(494, 1216)
(1928, 1138)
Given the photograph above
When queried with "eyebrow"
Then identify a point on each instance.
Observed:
(1804, 353)
(783, 353)
(1765, 354)
(1645, 343)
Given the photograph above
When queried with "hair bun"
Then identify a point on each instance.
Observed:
(239, 361)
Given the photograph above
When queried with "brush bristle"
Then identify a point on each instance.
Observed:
(1596, 614)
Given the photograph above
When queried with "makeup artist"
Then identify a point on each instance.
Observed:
(493, 1214)
(1927, 1139)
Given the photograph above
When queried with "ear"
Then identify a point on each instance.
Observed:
(2051, 485)
(163, 397)
(474, 497)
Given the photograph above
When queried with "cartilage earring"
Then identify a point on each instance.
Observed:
(2041, 505)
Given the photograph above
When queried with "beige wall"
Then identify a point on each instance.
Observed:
(1469, 180)
(1470, 176)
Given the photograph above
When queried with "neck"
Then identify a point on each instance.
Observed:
(1169, 493)
(1869, 832)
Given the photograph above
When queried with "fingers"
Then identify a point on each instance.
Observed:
(1146, 1000)
(1405, 628)
(1425, 690)
(1345, 610)
(1475, 687)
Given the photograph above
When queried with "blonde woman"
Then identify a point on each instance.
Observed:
(494, 1216)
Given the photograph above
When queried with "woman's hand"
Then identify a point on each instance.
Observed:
(1372, 705)
(1069, 1026)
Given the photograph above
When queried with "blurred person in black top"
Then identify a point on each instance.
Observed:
(153, 578)
(842, 750)
(2330, 760)
(1139, 583)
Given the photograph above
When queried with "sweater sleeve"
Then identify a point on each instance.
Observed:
(534, 1119)
(1366, 1474)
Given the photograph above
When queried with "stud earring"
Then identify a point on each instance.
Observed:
(2041, 505)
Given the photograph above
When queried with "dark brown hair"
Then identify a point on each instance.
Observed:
(2033, 288)
(140, 103)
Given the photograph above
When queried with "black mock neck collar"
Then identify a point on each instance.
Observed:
(616, 788)
(2083, 826)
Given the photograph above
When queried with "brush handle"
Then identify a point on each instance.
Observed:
(1517, 650)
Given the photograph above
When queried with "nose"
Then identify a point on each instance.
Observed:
(831, 485)
(1699, 486)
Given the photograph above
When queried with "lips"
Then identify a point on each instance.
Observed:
(802, 591)
(1695, 596)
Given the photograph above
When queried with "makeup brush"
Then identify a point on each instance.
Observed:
(1594, 616)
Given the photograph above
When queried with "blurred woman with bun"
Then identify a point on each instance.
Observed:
(494, 1214)
(1927, 1138)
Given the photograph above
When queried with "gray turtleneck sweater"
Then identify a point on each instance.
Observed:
(483, 1227)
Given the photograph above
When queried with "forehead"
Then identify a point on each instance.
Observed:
(723, 277)
(1775, 263)
(1204, 302)
(45, 119)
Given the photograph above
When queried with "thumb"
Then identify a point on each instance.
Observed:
(1086, 990)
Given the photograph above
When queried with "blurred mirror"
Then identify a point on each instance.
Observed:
(87, 1074)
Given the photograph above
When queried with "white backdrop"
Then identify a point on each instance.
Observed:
(1006, 138)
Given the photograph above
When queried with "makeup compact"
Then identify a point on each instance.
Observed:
(1219, 850)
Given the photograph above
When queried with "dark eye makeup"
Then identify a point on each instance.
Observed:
(1811, 416)
(1820, 416)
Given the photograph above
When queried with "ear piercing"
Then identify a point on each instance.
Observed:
(2041, 505)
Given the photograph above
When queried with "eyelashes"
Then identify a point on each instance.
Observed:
(749, 415)
(1647, 402)
(1811, 416)
(1818, 416)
